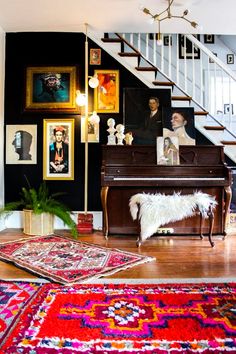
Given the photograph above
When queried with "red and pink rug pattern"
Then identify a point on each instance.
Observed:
(67, 261)
(121, 318)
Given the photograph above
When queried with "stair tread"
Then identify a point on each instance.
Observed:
(123, 54)
(228, 142)
(146, 68)
(214, 127)
(201, 113)
(181, 98)
(163, 83)
(111, 40)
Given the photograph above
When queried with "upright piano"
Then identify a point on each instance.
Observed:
(130, 169)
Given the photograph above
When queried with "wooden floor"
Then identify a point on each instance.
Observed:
(178, 257)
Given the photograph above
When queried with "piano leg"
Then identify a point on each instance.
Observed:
(201, 221)
(211, 220)
(228, 196)
(104, 192)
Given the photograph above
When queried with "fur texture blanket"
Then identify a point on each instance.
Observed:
(159, 209)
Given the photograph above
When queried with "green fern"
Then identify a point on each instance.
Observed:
(40, 201)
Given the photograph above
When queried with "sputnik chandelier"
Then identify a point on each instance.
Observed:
(166, 14)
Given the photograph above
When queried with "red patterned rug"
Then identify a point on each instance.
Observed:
(13, 297)
(173, 318)
(67, 261)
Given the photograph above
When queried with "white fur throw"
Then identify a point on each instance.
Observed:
(159, 209)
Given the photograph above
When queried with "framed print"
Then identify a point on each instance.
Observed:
(21, 142)
(186, 48)
(51, 88)
(95, 56)
(143, 113)
(93, 131)
(230, 59)
(58, 149)
(211, 60)
(228, 108)
(179, 122)
(167, 40)
(106, 95)
(209, 38)
(167, 150)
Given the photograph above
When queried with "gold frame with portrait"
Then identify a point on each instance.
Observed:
(105, 101)
(43, 99)
(48, 138)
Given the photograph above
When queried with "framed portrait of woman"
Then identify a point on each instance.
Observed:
(58, 149)
(167, 151)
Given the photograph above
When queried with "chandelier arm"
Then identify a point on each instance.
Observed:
(166, 10)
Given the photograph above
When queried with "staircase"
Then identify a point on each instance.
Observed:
(155, 67)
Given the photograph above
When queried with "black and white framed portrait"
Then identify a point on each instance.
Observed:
(187, 49)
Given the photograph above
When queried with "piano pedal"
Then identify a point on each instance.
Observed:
(165, 230)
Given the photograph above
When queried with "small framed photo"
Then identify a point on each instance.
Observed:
(21, 142)
(93, 130)
(167, 150)
(95, 56)
(228, 108)
(209, 38)
(211, 60)
(230, 58)
(187, 49)
(167, 40)
(106, 95)
(51, 88)
(58, 149)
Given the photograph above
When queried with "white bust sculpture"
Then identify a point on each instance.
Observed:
(120, 134)
(111, 139)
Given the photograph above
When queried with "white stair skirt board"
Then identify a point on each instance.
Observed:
(179, 103)
(131, 61)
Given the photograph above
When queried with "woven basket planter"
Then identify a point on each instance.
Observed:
(37, 224)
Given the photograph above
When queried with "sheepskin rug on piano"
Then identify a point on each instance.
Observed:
(156, 210)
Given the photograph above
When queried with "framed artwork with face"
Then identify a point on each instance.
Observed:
(179, 122)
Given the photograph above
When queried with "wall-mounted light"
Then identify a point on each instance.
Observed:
(80, 99)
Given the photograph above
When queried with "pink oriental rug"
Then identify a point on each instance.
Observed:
(67, 261)
(123, 318)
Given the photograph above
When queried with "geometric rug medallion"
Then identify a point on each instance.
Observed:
(123, 318)
(67, 261)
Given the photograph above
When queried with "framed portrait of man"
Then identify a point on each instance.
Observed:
(179, 122)
(143, 113)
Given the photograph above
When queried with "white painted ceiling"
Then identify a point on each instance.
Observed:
(215, 16)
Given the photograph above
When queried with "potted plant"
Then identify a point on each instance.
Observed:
(39, 209)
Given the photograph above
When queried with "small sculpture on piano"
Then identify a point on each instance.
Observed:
(129, 138)
(120, 128)
(111, 139)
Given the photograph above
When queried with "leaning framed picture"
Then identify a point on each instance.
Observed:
(186, 49)
(168, 150)
(58, 149)
(51, 88)
(93, 131)
(21, 142)
(106, 95)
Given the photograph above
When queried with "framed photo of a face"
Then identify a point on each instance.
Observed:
(179, 122)
(143, 113)
(95, 56)
(106, 95)
(51, 88)
(58, 149)
(186, 49)
(21, 144)
(209, 38)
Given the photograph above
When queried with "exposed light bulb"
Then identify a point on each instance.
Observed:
(94, 118)
(185, 12)
(80, 99)
(194, 24)
(93, 81)
(159, 42)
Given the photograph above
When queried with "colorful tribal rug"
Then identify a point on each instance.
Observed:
(187, 318)
(13, 297)
(67, 261)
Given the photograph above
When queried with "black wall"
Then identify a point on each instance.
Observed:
(51, 49)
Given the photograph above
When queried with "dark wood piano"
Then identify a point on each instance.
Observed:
(127, 170)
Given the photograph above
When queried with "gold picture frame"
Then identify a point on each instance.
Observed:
(51, 88)
(106, 95)
(58, 149)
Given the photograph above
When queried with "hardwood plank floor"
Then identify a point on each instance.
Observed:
(177, 257)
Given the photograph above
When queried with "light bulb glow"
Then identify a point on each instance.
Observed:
(93, 81)
(80, 99)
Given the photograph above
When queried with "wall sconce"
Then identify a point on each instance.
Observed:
(80, 99)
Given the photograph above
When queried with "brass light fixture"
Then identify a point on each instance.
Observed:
(166, 14)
